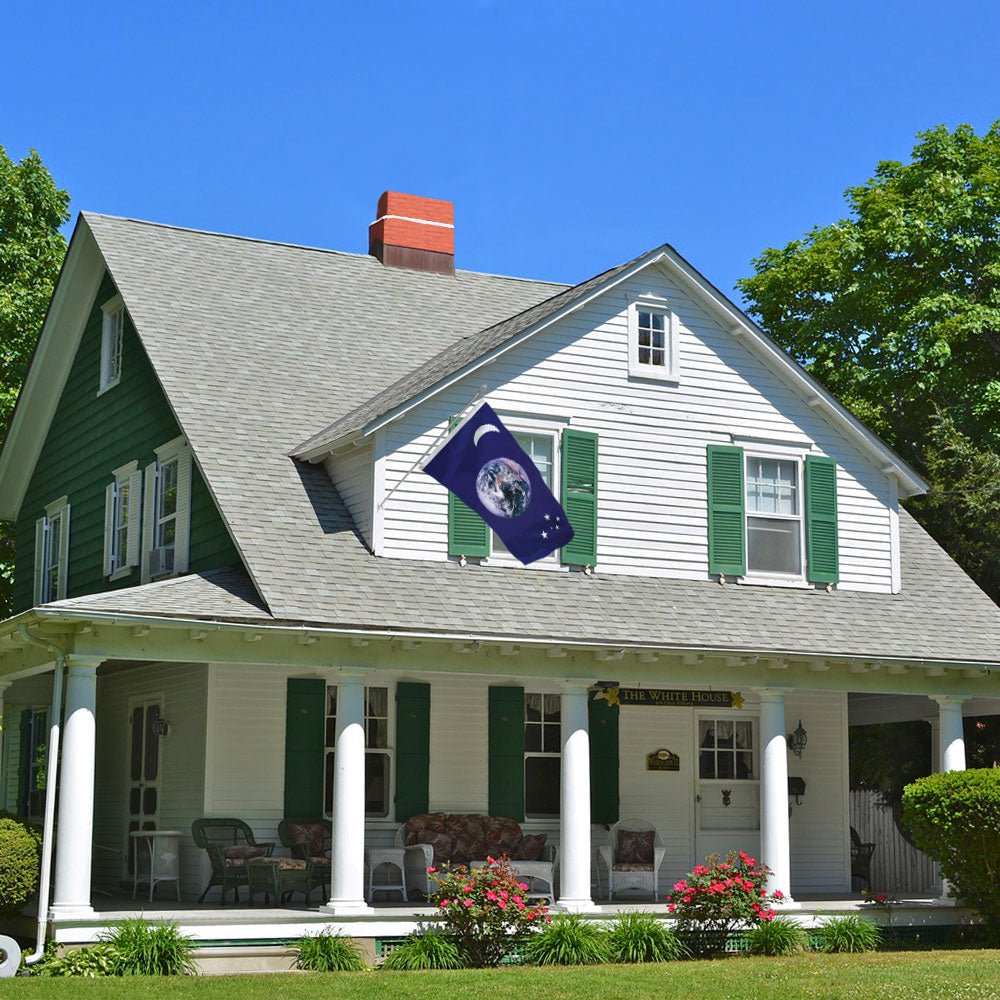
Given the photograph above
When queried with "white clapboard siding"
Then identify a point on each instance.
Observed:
(352, 473)
(819, 834)
(653, 435)
(898, 868)
(11, 722)
(182, 766)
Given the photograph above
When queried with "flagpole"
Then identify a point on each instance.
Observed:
(434, 444)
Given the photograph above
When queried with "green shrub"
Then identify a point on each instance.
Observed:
(97, 960)
(780, 936)
(851, 933)
(20, 864)
(641, 937)
(568, 940)
(329, 953)
(147, 948)
(954, 817)
(429, 949)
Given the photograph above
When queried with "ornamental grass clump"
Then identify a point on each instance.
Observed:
(484, 910)
(325, 952)
(641, 937)
(428, 949)
(777, 937)
(148, 948)
(718, 897)
(847, 934)
(568, 940)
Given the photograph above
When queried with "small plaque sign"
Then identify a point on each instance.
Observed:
(662, 760)
(671, 699)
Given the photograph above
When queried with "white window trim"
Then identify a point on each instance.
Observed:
(57, 509)
(519, 423)
(541, 692)
(754, 719)
(636, 370)
(113, 307)
(116, 565)
(179, 449)
(389, 751)
(757, 578)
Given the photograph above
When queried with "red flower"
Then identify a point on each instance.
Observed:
(778, 894)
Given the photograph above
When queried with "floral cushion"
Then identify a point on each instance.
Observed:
(320, 862)
(464, 837)
(311, 835)
(440, 842)
(635, 847)
(423, 822)
(466, 848)
(633, 867)
(237, 857)
(285, 864)
(503, 836)
(530, 848)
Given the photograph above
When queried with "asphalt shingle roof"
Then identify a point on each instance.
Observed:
(255, 343)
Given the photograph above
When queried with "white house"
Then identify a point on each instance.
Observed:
(265, 609)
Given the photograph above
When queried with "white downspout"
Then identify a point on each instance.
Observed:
(51, 773)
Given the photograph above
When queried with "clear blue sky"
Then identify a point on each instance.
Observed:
(570, 136)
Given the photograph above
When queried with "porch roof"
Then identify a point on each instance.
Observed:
(939, 615)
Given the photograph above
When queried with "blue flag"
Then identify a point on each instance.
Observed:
(487, 469)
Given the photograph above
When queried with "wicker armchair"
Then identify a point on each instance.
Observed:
(632, 862)
(309, 840)
(230, 845)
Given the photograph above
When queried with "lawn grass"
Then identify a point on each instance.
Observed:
(956, 975)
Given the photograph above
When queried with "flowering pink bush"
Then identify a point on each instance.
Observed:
(718, 897)
(484, 909)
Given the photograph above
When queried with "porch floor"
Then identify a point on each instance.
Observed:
(235, 925)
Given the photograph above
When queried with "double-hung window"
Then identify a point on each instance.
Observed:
(166, 513)
(112, 337)
(122, 506)
(774, 516)
(652, 340)
(542, 757)
(52, 552)
(378, 753)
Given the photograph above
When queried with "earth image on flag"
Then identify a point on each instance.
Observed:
(503, 488)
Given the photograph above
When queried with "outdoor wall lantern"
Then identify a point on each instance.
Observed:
(797, 740)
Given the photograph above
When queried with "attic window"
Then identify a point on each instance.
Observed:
(652, 340)
(112, 333)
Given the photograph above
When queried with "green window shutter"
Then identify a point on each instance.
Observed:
(305, 745)
(822, 561)
(727, 552)
(506, 752)
(603, 727)
(579, 496)
(413, 749)
(468, 534)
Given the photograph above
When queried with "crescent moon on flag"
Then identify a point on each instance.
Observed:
(485, 429)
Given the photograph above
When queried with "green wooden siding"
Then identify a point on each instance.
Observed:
(579, 496)
(305, 740)
(506, 752)
(603, 731)
(91, 435)
(822, 563)
(413, 749)
(727, 552)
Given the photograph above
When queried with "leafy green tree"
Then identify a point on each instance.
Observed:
(896, 310)
(32, 248)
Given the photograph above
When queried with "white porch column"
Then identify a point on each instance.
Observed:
(574, 806)
(74, 842)
(949, 755)
(347, 894)
(774, 849)
(951, 737)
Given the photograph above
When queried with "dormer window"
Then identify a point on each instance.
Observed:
(112, 334)
(652, 340)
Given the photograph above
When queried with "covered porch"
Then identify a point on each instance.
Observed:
(721, 721)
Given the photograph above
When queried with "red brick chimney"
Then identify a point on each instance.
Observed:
(414, 232)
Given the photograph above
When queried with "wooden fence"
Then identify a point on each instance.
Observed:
(897, 866)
